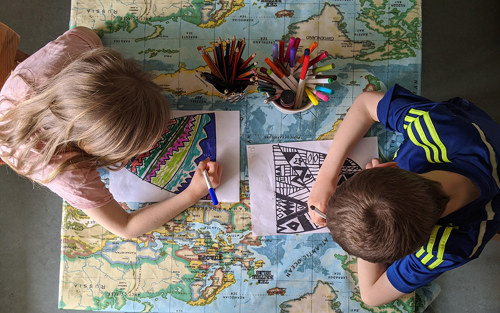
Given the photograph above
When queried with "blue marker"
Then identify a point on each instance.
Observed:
(324, 89)
(210, 188)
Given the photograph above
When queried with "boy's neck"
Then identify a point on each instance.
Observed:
(459, 188)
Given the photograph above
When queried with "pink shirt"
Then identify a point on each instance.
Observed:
(82, 188)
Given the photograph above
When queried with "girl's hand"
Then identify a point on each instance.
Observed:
(198, 187)
(376, 163)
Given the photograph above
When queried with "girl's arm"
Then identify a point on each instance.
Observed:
(128, 225)
(374, 286)
(358, 120)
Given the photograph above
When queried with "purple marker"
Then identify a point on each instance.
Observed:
(293, 50)
(275, 51)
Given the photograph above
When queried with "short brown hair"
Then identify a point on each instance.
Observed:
(384, 214)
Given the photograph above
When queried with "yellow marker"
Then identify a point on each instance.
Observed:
(311, 96)
(324, 68)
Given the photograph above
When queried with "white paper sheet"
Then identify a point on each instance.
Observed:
(127, 187)
(280, 179)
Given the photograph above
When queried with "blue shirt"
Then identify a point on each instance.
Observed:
(454, 136)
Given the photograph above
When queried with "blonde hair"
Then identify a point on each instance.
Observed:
(100, 105)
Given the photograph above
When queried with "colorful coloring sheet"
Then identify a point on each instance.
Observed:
(281, 177)
(167, 169)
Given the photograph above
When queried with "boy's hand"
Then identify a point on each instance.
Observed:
(319, 197)
(198, 186)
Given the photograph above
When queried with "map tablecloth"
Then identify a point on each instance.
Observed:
(206, 259)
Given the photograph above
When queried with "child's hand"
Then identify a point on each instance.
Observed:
(198, 186)
(319, 196)
(376, 163)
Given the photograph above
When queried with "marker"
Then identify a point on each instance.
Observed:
(311, 96)
(210, 188)
(281, 55)
(323, 68)
(318, 58)
(287, 98)
(319, 94)
(280, 74)
(311, 49)
(319, 80)
(302, 80)
(277, 79)
(322, 89)
(317, 211)
(275, 51)
(291, 42)
(291, 62)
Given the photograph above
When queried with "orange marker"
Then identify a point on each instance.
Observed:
(313, 46)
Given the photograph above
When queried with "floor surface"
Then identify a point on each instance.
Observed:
(461, 57)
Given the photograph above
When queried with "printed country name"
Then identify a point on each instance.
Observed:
(89, 286)
(337, 276)
(242, 19)
(281, 137)
(216, 257)
(324, 38)
(398, 4)
(189, 36)
(263, 277)
(102, 11)
(302, 259)
(234, 295)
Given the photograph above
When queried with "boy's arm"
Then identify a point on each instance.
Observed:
(358, 120)
(374, 286)
(128, 225)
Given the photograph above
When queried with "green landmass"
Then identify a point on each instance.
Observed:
(402, 30)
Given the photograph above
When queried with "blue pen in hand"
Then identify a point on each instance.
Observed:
(210, 188)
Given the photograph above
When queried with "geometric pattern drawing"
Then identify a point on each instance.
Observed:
(171, 163)
(295, 172)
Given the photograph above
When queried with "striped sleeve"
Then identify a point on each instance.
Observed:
(420, 129)
(422, 267)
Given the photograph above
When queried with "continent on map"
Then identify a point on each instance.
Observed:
(322, 299)
(331, 36)
(399, 22)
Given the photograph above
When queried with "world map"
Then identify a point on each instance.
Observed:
(207, 259)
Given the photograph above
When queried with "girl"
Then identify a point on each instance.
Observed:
(74, 106)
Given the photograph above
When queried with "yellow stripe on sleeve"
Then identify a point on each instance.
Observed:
(430, 245)
(415, 141)
(435, 137)
(426, 142)
(442, 244)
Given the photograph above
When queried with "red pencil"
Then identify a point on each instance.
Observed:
(247, 61)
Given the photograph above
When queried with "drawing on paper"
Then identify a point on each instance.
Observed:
(171, 163)
(295, 172)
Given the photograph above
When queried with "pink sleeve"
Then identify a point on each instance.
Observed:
(82, 188)
(48, 61)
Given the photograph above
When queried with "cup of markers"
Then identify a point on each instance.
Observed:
(229, 73)
(294, 83)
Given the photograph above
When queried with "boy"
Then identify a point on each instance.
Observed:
(431, 210)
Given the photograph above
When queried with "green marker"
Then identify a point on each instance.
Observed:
(323, 68)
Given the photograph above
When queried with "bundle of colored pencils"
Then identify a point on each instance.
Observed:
(229, 72)
(290, 76)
